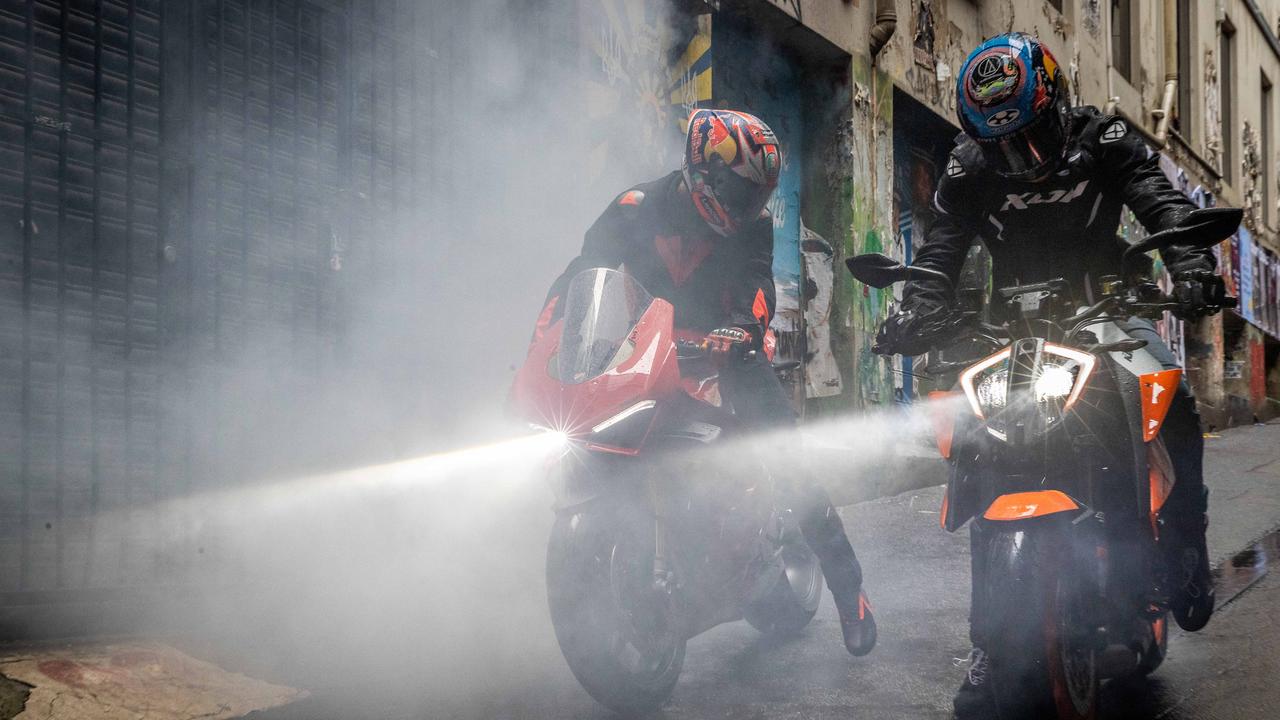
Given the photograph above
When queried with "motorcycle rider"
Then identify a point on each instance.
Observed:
(702, 239)
(1041, 183)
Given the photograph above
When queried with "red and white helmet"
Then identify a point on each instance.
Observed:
(731, 166)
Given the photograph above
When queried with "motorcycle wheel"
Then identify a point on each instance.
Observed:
(1042, 665)
(1153, 655)
(613, 623)
(794, 600)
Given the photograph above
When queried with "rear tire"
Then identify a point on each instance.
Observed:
(1042, 665)
(794, 600)
(614, 626)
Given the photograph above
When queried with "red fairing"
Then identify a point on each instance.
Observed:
(544, 319)
(650, 373)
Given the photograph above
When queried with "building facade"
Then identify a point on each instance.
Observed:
(1195, 76)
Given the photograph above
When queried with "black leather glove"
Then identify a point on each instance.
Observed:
(1199, 292)
(725, 343)
(911, 330)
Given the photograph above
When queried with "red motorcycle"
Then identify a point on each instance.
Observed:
(655, 540)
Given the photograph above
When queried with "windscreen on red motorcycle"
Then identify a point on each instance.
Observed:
(601, 308)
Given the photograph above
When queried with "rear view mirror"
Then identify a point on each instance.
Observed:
(876, 269)
(880, 271)
(1203, 228)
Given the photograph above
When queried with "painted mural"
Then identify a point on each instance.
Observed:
(766, 83)
(652, 65)
(1252, 274)
(822, 377)
(870, 155)
(649, 67)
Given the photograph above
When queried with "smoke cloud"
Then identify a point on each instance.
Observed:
(336, 537)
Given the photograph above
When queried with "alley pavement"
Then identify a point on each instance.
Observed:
(918, 579)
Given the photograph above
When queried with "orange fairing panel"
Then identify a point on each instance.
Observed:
(1022, 506)
(1157, 394)
(944, 420)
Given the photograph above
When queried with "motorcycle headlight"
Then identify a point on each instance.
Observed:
(986, 384)
(1053, 382)
(1062, 375)
(1059, 377)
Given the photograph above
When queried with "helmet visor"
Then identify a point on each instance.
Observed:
(741, 198)
(1029, 152)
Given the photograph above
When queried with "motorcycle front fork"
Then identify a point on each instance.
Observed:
(663, 570)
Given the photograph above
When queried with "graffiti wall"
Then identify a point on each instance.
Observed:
(1255, 277)
(1252, 274)
(649, 66)
(756, 77)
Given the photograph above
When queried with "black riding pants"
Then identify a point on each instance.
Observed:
(760, 402)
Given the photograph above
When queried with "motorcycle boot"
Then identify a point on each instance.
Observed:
(1183, 520)
(1188, 571)
(758, 398)
(824, 533)
(974, 699)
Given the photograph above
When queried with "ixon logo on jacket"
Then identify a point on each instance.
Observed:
(1024, 200)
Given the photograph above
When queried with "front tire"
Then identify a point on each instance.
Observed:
(1043, 664)
(614, 624)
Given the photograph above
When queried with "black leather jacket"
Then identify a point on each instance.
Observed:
(712, 281)
(1063, 226)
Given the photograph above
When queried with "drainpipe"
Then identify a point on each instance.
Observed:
(886, 23)
(1164, 114)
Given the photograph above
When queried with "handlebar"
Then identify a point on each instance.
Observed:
(700, 349)
(965, 326)
(691, 350)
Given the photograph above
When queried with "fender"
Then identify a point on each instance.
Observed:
(1027, 505)
(572, 490)
(583, 478)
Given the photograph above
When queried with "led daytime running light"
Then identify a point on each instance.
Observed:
(638, 407)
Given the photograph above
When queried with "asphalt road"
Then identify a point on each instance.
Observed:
(918, 580)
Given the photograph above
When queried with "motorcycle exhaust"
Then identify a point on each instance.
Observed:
(1117, 660)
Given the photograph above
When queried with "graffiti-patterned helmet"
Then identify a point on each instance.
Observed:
(731, 166)
(1013, 100)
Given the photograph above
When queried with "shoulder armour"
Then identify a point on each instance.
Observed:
(965, 160)
(629, 203)
(1094, 129)
(1112, 129)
